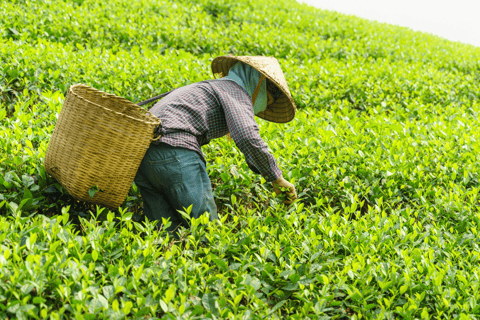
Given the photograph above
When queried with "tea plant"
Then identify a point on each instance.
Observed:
(383, 152)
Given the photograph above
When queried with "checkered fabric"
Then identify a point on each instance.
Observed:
(195, 114)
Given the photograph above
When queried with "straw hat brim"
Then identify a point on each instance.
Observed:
(283, 109)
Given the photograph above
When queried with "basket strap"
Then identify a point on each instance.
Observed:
(154, 98)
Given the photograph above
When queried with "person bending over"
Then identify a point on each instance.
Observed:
(173, 174)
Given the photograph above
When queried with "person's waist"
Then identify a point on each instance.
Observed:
(183, 140)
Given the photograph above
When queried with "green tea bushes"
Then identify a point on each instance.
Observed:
(383, 152)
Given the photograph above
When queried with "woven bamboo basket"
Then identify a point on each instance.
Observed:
(99, 140)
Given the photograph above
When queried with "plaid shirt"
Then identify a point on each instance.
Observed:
(195, 114)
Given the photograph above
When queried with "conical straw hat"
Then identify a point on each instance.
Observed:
(283, 109)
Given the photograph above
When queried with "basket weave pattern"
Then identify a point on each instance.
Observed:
(99, 139)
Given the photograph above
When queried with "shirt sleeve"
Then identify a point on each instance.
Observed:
(244, 131)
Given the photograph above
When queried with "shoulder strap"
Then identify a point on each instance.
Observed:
(154, 98)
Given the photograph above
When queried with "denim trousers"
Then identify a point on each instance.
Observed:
(173, 178)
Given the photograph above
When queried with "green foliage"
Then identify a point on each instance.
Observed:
(93, 190)
(383, 152)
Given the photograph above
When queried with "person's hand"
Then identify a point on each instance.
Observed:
(283, 186)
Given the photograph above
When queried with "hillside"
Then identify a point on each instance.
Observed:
(383, 152)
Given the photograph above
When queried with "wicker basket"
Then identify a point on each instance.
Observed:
(99, 140)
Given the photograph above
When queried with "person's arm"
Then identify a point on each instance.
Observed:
(245, 133)
(247, 143)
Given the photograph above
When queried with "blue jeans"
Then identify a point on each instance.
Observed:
(171, 179)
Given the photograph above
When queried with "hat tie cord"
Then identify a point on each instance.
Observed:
(257, 89)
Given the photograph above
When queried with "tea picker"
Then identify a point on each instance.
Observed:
(106, 142)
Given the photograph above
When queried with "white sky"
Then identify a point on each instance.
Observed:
(457, 20)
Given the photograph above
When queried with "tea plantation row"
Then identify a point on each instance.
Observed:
(383, 152)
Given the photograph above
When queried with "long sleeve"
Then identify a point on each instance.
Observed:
(245, 133)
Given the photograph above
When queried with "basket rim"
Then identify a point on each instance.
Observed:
(156, 119)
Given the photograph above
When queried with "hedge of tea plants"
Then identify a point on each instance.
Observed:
(383, 152)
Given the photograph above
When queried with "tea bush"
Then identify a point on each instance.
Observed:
(383, 151)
